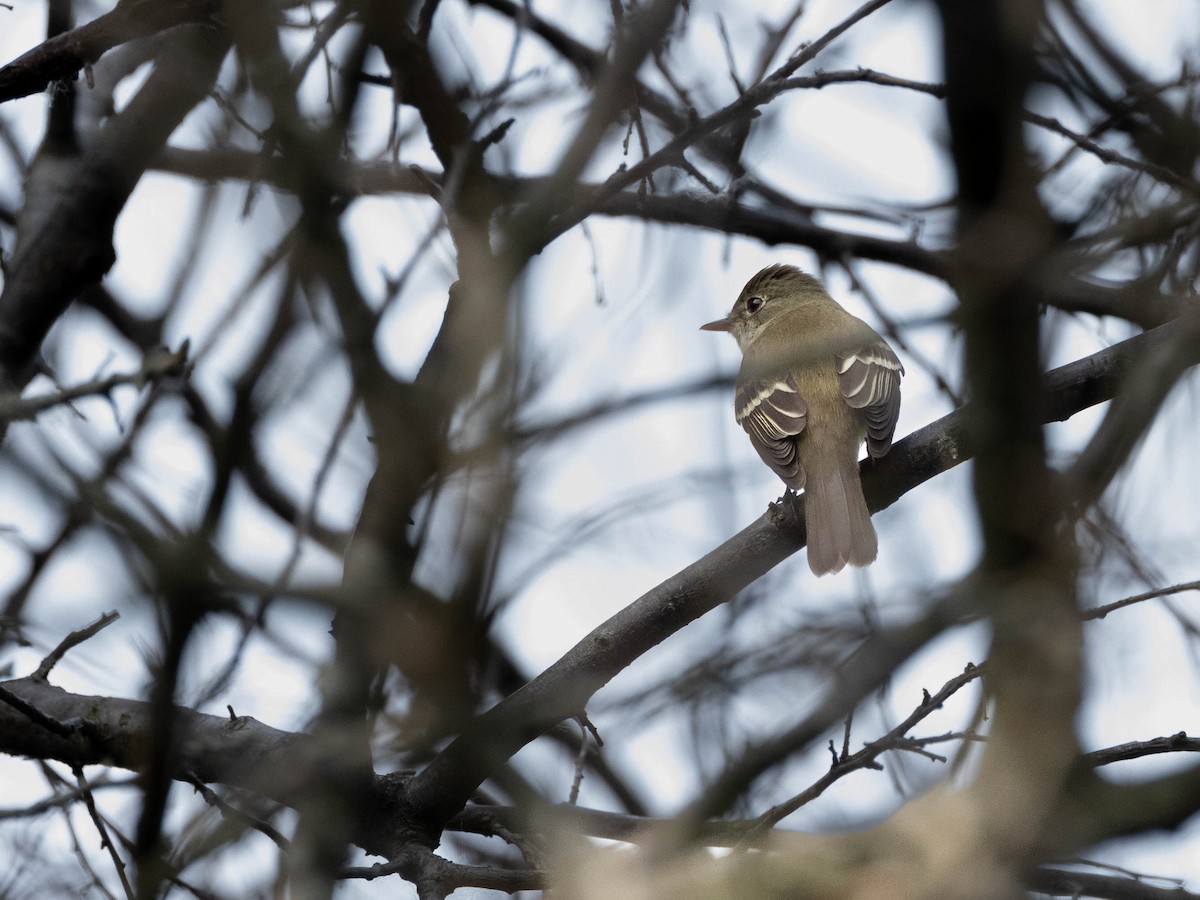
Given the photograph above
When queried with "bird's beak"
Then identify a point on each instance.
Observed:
(725, 324)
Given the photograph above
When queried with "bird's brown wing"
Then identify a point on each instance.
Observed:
(773, 414)
(869, 378)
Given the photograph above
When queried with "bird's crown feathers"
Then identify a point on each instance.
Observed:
(781, 278)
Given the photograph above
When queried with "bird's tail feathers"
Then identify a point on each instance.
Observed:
(837, 520)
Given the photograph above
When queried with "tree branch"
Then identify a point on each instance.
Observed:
(443, 787)
(64, 234)
(63, 56)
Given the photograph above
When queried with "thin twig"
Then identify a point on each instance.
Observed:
(233, 814)
(14, 408)
(1099, 612)
(1107, 155)
(74, 639)
(60, 800)
(1175, 743)
(866, 757)
(106, 842)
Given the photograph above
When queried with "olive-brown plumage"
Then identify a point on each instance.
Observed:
(815, 382)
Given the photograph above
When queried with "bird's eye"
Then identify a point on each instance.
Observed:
(754, 304)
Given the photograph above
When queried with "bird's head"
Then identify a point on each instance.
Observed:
(773, 292)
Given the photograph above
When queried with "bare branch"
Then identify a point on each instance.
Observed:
(1176, 743)
(62, 57)
(155, 367)
(1100, 612)
(896, 739)
(74, 639)
(106, 841)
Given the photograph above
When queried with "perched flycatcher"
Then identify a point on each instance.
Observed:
(815, 381)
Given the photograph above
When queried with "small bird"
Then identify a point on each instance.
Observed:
(814, 382)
